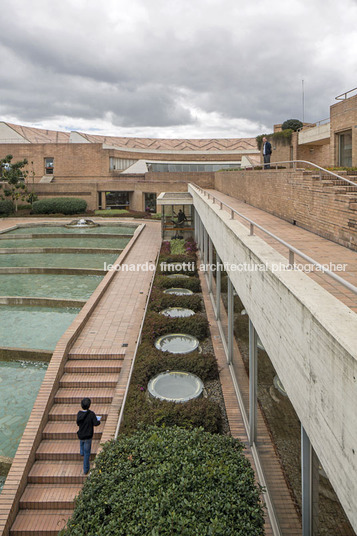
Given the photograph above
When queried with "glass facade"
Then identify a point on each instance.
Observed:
(181, 168)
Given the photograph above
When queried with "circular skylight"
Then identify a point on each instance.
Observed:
(177, 343)
(175, 386)
(178, 291)
(177, 312)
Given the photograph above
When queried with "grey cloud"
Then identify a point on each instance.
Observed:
(152, 65)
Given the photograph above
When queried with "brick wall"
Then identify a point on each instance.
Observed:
(320, 206)
(343, 116)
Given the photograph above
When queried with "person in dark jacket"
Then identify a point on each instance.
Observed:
(266, 153)
(86, 420)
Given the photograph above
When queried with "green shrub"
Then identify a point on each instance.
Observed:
(150, 361)
(199, 413)
(112, 212)
(292, 124)
(157, 325)
(192, 283)
(159, 301)
(162, 482)
(177, 246)
(6, 207)
(60, 205)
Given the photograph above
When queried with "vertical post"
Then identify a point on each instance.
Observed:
(253, 383)
(230, 321)
(195, 225)
(163, 222)
(202, 230)
(205, 249)
(306, 483)
(218, 287)
(210, 261)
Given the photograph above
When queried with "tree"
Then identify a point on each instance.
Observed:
(14, 175)
(293, 124)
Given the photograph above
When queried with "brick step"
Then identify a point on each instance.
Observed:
(57, 472)
(68, 412)
(62, 449)
(39, 522)
(85, 380)
(66, 430)
(97, 354)
(74, 396)
(93, 365)
(49, 496)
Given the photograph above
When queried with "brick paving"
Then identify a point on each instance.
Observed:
(320, 249)
(92, 359)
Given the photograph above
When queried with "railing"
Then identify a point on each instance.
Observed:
(313, 125)
(343, 96)
(311, 164)
(291, 249)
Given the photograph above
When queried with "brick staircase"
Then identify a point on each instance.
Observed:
(56, 477)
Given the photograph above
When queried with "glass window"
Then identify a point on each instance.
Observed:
(117, 199)
(345, 149)
(49, 165)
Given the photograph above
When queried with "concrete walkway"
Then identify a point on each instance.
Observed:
(320, 249)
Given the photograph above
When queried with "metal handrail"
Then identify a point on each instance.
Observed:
(312, 125)
(343, 96)
(321, 169)
(292, 250)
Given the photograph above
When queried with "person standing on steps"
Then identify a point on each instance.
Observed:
(266, 153)
(86, 420)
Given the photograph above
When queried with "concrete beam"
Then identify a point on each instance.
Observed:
(311, 339)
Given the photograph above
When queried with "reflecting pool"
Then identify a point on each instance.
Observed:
(49, 229)
(39, 328)
(85, 242)
(49, 285)
(58, 260)
(19, 385)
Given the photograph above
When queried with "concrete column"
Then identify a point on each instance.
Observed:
(253, 383)
(218, 287)
(309, 486)
(103, 200)
(230, 321)
(205, 248)
(195, 220)
(210, 261)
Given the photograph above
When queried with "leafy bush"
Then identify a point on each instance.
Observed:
(113, 212)
(59, 205)
(160, 301)
(6, 207)
(293, 124)
(191, 283)
(169, 481)
(177, 246)
(151, 361)
(157, 325)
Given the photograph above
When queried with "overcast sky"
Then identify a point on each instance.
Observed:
(174, 68)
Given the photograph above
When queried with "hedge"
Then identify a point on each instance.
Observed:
(60, 205)
(164, 482)
(159, 301)
(139, 409)
(157, 325)
(6, 207)
(191, 283)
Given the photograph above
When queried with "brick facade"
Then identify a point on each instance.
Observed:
(326, 207)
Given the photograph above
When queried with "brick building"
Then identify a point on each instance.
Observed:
(119, 172)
